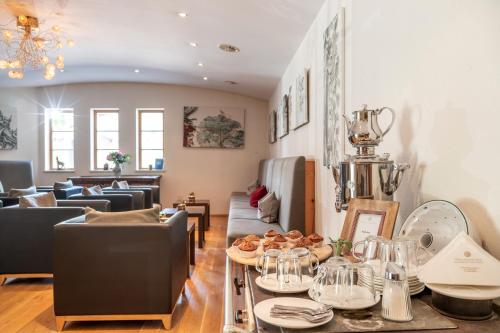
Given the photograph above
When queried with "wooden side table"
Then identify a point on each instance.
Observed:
(198, 202)
(199, 214)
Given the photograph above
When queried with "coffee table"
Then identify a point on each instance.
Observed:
(198, 202)
(199, 213)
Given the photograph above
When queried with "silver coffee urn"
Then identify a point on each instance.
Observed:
(366, 175)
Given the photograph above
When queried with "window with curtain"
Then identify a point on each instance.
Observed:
(59, 139)
(149, 137)
(105, 136)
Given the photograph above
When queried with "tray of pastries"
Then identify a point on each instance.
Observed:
(245, 250)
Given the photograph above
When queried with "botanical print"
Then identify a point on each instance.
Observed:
(334, 56)
(282, 117)
(301, 112)
(211, 127)
(272, 126)
(8, 128)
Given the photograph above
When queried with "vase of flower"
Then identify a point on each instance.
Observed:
(118, 158)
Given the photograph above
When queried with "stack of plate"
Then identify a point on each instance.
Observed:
(416, 286)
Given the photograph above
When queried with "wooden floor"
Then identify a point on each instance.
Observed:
(27, 305)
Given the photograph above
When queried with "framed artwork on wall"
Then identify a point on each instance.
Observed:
(8, 128)
(334, 91)
(282, 117)
(272, 126)
(214, 127)
(369, 218)
(301, 112)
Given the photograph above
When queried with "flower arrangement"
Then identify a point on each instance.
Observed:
(118, 157)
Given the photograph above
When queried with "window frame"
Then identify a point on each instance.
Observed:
(49, 151)
(93, 135)
(139, 149)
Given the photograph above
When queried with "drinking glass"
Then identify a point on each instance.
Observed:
(370, 253)
(289, 273)
(266, 265)
(405, 252)
(309, 261)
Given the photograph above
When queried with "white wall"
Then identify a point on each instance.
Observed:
(210, 173)
(436, 63)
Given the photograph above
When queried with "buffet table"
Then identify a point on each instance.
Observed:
(242, 294)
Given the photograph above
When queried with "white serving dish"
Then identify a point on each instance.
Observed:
(272, 285)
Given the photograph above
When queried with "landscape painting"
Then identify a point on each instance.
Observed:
(334, 90)
(301, 112)
(272, 126)
(282, 117)
(214, 127)
(8, 128)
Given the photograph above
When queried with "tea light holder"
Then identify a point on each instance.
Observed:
(191, 197)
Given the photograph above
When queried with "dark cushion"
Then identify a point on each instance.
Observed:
(256, 195)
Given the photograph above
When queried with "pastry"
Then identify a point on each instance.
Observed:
(293, 236)
(303, 242)
(247, 249)
(280, 240)
(253, 238)
(269, 244)
(270, 234)
(316, 239)
(238, 242)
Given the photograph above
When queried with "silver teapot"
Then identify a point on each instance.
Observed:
(364, 132)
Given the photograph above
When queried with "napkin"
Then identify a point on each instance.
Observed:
(462, 262)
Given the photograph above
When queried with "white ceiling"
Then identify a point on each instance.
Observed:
(113, 37)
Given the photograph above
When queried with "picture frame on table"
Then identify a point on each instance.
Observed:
(369, 218)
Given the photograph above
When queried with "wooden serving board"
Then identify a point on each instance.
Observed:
(322, 253)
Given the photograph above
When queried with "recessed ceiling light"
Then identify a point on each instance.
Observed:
(205, 78)
(193, 44)
(61, 70)
(229, 48)
(137, 70)
(182, 14)
(200, 64)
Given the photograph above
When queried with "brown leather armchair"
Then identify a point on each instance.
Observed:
(119, 271)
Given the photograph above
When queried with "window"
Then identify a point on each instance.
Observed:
(149, 137)
(59, 139)
(105, 136)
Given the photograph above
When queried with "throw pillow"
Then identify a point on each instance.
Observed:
(268, 208)
(123, 185)
(94, 190)
(19, 192)
(1, 187)
(38, 200)
(62, 185)
(252, 187)
(151, 215)
(256, 195)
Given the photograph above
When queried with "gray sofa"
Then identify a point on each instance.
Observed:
(119, 271)
(286, 178)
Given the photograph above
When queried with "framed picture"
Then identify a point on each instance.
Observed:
(8, 128)
(282, 117)
(369, 218)
(301, 112)
(272, 126)
(333, 53)
(214, 127)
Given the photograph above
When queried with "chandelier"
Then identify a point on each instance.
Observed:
(28, 47)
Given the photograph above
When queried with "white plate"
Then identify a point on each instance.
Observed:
(272, 285)
(475, 293)
(262, 311)
(355, 302)
(435, 224)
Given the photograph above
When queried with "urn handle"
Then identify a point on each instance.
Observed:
(392, 119)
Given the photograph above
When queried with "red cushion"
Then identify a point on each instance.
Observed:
(256, 195)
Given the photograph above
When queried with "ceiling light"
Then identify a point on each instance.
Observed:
(182, 14)
(25, 45)
(137, 70)
(229, 48)
(193, 44)
(200, 64)
(205, 78)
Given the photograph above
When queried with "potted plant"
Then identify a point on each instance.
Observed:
(118, 158)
